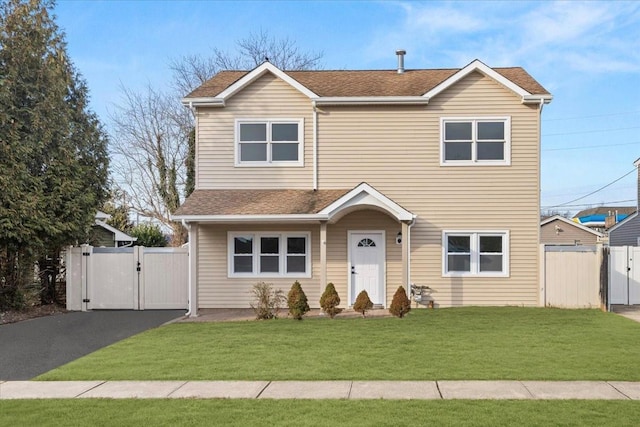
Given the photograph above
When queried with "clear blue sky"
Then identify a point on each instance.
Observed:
(586, 54)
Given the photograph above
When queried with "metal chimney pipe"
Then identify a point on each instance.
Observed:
(401, 54)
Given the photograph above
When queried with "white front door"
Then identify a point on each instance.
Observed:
(367, 265)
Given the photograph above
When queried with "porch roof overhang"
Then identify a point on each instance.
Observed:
(285, 206)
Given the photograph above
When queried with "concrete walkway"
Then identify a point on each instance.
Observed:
(431, 390)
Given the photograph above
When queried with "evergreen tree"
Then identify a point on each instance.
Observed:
(53, 151)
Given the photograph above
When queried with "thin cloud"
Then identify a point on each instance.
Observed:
(588, 37)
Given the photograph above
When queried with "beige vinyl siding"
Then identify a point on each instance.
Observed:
(626, 234)
(216, 290)
(267, 98)
(567, 235)
(397, 150)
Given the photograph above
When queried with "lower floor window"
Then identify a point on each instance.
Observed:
(475, 253)
(269, 254)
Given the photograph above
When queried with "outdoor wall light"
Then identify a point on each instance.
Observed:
(399, 238)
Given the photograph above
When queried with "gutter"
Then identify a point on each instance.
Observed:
(369, 100)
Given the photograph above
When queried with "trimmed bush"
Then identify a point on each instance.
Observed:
(363, 303)
(400, 305)
(297, 301)
(329, 301)
(267, 301)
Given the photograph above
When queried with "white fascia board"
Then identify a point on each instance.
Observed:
(250, 218)
(536, 99)
(202, 102)
(479, 66)
(258, 72)
(372, 100)
(377, 199)
(637, 162)
(572, 223)
(624, 221)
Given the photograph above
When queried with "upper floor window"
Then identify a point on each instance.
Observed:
(475, 141)
(265, 142)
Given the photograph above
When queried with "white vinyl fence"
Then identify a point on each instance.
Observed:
(624, 275)
(572, 276)
(135, 278)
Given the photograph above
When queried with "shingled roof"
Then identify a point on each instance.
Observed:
(357, 83)
(257, 202)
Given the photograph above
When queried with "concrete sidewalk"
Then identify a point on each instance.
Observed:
(432, 390)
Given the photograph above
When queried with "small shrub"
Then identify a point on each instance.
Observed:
(400, 305)
(297, 301)
(267, 301)
(330, 300)
(363, 303)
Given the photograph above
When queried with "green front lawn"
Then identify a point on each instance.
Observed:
(193, 412)
(510, 343)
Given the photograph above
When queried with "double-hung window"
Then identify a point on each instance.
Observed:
(269, 254)
(264, 142)
(475, 253)
(475, 141)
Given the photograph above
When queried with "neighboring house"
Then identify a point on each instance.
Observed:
(105, 235)
(602, 218)
(627, 231)
(558, 230)
(369, 180)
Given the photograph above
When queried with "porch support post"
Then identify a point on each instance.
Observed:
(405, 257)
(323, 255)
(193, 270)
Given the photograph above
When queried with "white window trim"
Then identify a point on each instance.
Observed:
(475, 255)
(268, 163)
(474, 161)
(282, 254)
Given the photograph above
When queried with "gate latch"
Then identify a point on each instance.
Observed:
(138, 267)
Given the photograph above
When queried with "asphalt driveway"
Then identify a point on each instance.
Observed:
(33, 347)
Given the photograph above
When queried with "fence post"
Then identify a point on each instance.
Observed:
(542, 298)
(138, 253)
(85, 263)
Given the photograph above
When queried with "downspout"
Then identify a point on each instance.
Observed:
(186, 225)
(411, 224)
(315, 146)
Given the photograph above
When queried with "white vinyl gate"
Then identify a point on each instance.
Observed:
(624, 275)
(135, 278)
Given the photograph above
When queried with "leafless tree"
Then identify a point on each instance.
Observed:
(150, 129)
(148, 143)
(190, 71)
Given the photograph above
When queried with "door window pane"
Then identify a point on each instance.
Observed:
(282, 152)
(253, 132)
(457, 150)
(457, 131)
(284, 132)
(253, 152)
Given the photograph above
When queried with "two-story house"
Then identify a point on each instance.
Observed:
(369, 180)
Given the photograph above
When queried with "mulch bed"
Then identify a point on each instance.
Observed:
(30, 313)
